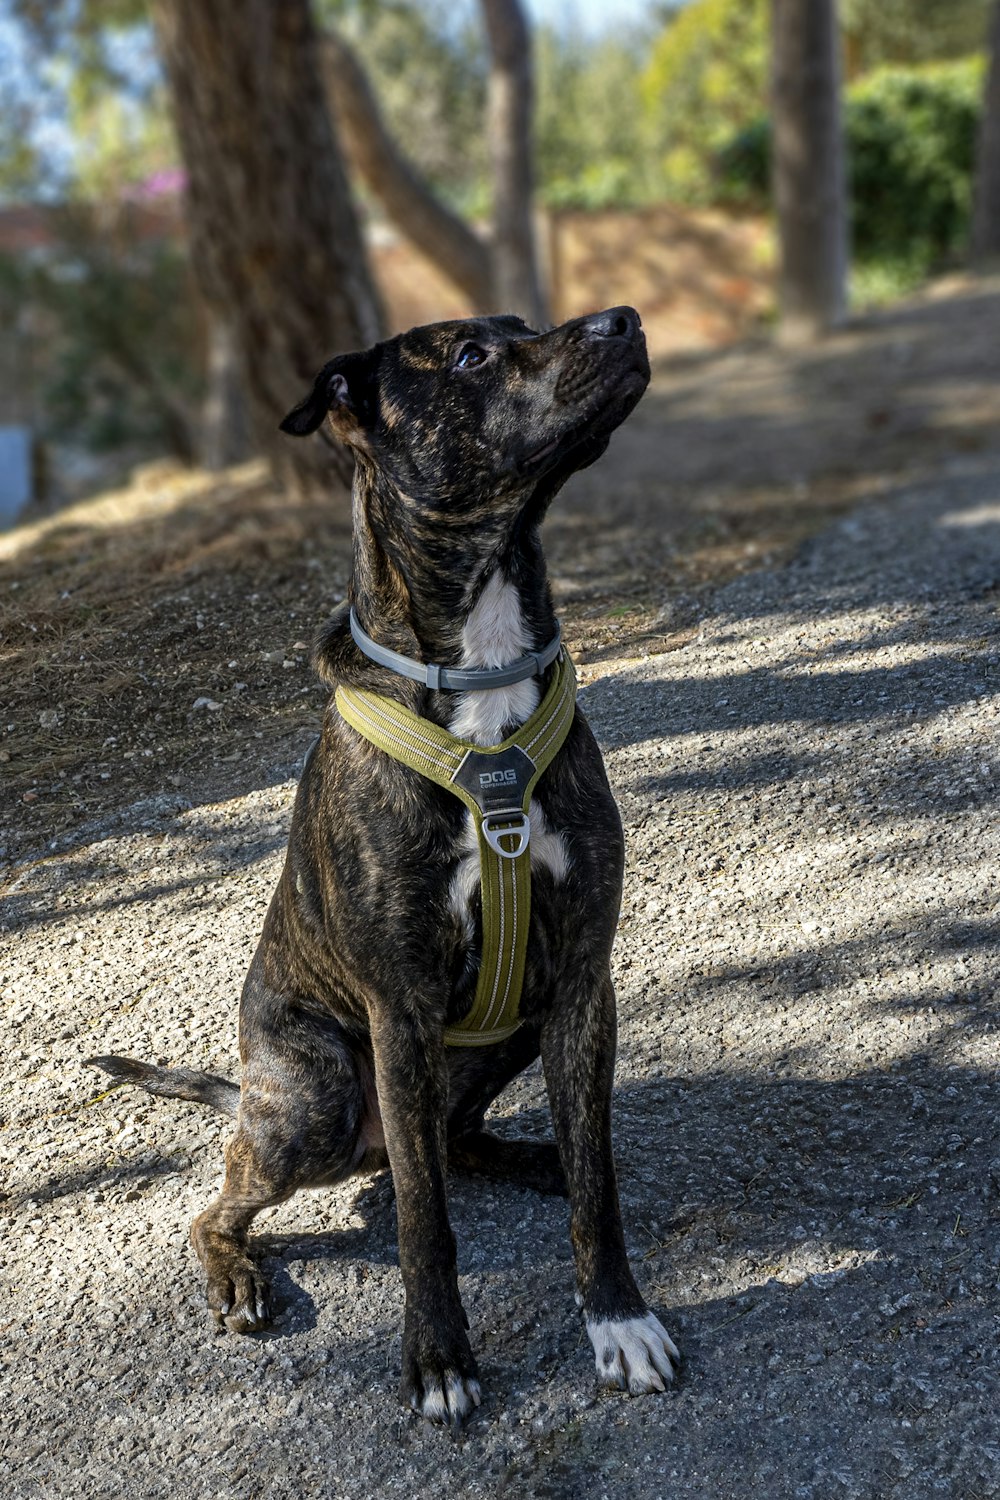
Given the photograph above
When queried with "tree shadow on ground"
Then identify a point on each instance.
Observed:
(198, 852)
(881, 964)
(949, 599)
(737, 1184)
(835, 1232)
(94, 1176)
(957, 634)
(798, 1233)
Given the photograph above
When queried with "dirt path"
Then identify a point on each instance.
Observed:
(806, 758)
(806, 1115)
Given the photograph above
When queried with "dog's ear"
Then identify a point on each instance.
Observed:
(345, 390)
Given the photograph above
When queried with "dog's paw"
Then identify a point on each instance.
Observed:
(633, 1354)
(239, 1298)
(440, 1379)
(446, 1398)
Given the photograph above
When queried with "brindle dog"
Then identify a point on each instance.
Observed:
(462, 434)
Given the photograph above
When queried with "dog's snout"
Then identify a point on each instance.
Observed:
(613, 323)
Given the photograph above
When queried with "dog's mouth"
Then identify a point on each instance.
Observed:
(541, 454)
(616, 399)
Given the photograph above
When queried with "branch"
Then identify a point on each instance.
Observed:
(411, 205)
(510, 108)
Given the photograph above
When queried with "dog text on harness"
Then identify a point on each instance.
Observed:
(498, 778)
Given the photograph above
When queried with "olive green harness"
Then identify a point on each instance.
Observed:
(495, 784)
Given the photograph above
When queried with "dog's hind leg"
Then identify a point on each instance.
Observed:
(237, 1291)
(477, 1075)
(530, 1164)
(300, 1124)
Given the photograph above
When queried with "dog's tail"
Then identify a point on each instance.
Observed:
(174, 1083)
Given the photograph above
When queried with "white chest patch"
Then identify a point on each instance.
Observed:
(494, 636)
(547, 851)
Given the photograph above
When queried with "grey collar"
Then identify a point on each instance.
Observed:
(457, 679)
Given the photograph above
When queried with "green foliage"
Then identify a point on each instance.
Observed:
(911, 148)
(705, 81)
(20, 170)
(119, 358)
(911, 136)
(878, 32)
(87, 84)
(120, 143)
(590, 144)
(704, 93)
(880, 281)
(427, 64)
(21, 98)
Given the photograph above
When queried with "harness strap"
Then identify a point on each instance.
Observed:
(496, 785)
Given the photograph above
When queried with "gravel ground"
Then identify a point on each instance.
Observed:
(806, 1105)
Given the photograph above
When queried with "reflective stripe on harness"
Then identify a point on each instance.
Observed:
(496, 785)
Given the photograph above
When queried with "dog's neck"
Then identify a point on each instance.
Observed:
(459, 599)
(495, 634)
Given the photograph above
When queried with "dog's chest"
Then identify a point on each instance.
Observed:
(494, 635)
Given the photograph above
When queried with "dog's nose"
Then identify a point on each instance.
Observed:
(613, 323)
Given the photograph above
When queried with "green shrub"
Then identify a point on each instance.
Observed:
(706, 78)
(600, 185)
(589, 150)
(910, 136)
(881, 280)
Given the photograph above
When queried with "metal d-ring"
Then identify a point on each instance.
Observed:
(515, 823)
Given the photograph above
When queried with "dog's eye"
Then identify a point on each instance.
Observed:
(470, 355)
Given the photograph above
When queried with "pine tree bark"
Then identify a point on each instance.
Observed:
(985, 240)
(406, 198)
(275, 242)
(808, 167)
(516, 279)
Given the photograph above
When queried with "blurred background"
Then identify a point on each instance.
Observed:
(190, 194)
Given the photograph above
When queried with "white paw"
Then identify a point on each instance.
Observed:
(633, 1354)
(451, 1401)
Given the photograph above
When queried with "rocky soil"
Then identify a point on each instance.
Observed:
(806, 1110)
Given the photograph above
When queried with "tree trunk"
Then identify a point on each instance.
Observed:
(985, 244)
(223, 411)
(407, 200)
(516, 278)
(808, 166)
(275, 242)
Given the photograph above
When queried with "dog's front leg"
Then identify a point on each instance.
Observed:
(632, 1349)
(440, 1379)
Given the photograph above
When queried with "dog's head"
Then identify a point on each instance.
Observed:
(484, 411)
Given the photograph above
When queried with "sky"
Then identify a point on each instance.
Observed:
(589, 15)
